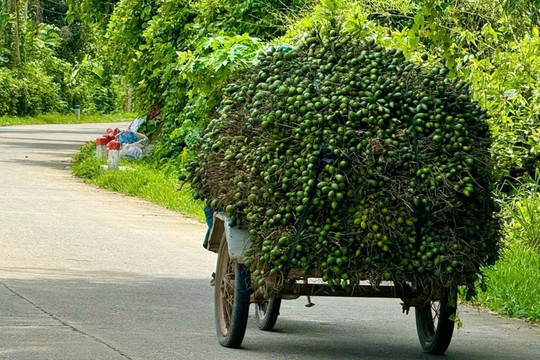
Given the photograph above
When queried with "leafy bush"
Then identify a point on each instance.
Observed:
(8, 86)
(525, 220)
(263, 19)
(38, 92)
(29, 91)
(521, 212)
(32, 87)
(507, 84)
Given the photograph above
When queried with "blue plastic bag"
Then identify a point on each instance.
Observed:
(127, 137)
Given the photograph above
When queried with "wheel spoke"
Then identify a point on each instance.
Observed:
(228, 295)
(231, 296)
(435, 307)
(226, 286)
(434, 325)
(262, 307)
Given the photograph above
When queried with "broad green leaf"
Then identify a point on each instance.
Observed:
(510, 94)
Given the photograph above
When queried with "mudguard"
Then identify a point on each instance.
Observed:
(237, 239)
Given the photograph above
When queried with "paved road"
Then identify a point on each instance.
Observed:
(89, 274)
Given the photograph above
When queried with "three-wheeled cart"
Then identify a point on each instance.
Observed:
(435, 308)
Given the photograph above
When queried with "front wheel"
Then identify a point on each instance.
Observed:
(231, 299)
(435, 322)
(267, 313)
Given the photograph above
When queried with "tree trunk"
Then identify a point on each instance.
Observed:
(37, 12)
(14, 9)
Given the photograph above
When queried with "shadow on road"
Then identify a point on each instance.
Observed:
(60, 164)
(41, 152)
(149, 317)
(14, 138)
(31, 144)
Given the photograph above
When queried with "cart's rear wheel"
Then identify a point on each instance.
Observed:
(231, 299)
(267, 313)
(435, 323)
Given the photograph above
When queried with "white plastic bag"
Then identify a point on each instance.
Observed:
(136, 124)
(132, 151)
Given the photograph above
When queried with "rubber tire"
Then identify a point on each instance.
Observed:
(435, 339)
(234, 334)
(268, 320)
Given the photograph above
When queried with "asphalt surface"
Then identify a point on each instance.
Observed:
(90, 274)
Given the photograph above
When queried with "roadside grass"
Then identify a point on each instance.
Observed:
(65, 119)
(513, 284)
(143, 180)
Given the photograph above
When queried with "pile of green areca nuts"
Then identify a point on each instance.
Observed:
(343, 158)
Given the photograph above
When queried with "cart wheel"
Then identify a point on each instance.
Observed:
(435, 324)
(267, 313)
(231, 299)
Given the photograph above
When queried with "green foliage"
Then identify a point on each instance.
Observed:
(214, 59)
(95, 88)
(74, 42)
(178, 133)
(128, 50)
(53, 75)
(206, 71)
(507, 84)
(95, 13)
(178, 55)
(32, 87)
(8, 86)
(28, 91)
(521, 212)
(52, 11)
(263, 19)
(525, 221)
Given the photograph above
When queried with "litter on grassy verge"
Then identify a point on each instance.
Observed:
(144, 181)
